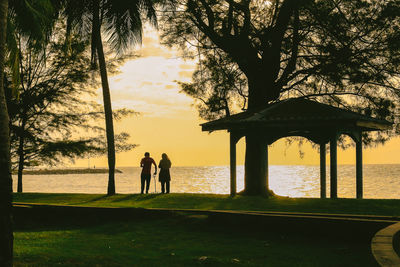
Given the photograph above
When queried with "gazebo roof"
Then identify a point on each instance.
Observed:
(298, 114)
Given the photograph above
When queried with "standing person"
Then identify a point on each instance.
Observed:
(145, 176)
(164, 176)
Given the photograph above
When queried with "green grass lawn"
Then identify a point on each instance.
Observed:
(178, 240)
(220, 202)
(187, 240)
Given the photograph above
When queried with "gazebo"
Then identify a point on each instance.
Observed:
(315, 121)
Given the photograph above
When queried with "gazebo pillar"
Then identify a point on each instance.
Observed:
(232, 146)
(333, 159)
(359, 168)
(322, 163)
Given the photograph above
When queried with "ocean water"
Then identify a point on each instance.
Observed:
(380, 181)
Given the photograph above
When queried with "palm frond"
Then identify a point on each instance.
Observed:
(123, 22)
(14, 55)
(34, 19)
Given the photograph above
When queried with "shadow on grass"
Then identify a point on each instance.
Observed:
(118, 198)
(104, 197)
(136, 197)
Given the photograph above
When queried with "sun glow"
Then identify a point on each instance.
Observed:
(168, 121)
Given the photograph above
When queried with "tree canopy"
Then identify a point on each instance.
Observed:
(341, 52)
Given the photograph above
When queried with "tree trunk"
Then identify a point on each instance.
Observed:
(21, 159)
(256, 158)
(258, 86)
(6, 231)
(256, 166)
(106, 100)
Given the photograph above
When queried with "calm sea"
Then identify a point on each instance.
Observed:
(380, 181)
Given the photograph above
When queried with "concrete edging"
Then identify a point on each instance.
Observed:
(382, 246)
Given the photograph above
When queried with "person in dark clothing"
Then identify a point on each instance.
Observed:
(145, 176)
(164, 176)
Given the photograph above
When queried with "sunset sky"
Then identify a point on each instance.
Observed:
(169, 123)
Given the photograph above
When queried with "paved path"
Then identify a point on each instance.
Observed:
(382, 246)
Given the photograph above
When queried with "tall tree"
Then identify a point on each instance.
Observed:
(49, 107)
(121, 21)
(34, 20)
(6, 233)
(345, 53)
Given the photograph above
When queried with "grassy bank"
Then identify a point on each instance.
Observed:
(175, 240)
(219, 202)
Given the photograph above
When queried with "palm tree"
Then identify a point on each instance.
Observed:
(121, 21)
(6, 234)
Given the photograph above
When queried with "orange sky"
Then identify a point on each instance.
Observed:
(169, 123)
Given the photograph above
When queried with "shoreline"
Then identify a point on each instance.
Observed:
(65, 171)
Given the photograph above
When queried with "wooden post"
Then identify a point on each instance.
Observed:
(359, 167)
(322, 164)
(333, 158)
(233, 164)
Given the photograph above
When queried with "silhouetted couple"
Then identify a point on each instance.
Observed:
(164, 176)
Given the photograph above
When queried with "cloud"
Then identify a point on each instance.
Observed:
(151, 46)
(187, 66)
(147, 83)
(186, 74)
(151, 109)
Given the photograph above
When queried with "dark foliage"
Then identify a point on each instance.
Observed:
(52, 119)
(344, 53)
